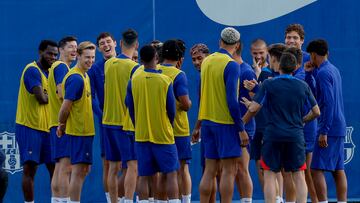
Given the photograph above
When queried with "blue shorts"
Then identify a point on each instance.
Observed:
(220, 141)
(330, 158)
(60, 147)
(81, 149)
(256, 143)
(310, 135)
(112, 138)
(309, 145)
(183, 146)
(34, 145)
(288, 155)
(155, 158)
(128, 151)
(127, 146)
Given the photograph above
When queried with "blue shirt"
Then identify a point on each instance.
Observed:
(261, 116)
(60, 72)
(170, 101)
(74, 87)
(97, 81)
(180, 84)
(247, 73)
(231, 77)
(32, 78)
(310, 127)
(285, 96)
(329, 97)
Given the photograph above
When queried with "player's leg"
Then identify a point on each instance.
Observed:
(29, 171)
(128, 156)
(243, 179)
(289, 186)
(339, 172)
(161, 190)
(255, 154)
(301, 188)
(30, 143)
(228, 173)
(294, 161)
(78, 174)
(114, 168)
(271, 163)
(172, 188)
(183, 145)
(130, 179)
(105, 165)
(45, 153)
(147, 169)
(112, 154)
(269, 189)
(54, 181)
(143, 188)
(212, 164)
(229, 150)
(186, 181)
(279, 187)
(320, 184)
(121, 182)
(341, 185)
(309, 180)
(166, 157)
(64, 176)
(81, 160)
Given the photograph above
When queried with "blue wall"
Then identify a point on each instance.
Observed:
(25, 22)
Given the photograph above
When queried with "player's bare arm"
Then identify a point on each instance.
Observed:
(40, 95)
(63, 116)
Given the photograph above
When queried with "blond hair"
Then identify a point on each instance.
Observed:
(85, 45)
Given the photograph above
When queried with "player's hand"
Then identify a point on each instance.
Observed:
(195, 135)
(257, 65)
(245, 101)
(60, 131)
(308, 66)
(244, 138)
(323, 141)
(250, 84)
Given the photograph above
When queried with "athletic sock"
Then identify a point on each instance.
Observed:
(29, 202)
(324, 201)
(161, 201)
(55, 200)
(246, 200)
(128, 201)
(107, 197)
(74, 201)
(174, 201)
(279, 199)
(151, 200)
(65, 199)
(186, 198)
(144, 201)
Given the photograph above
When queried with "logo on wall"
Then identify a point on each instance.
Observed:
(248, 12)
(349, 146)
(10, 148)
